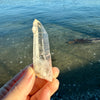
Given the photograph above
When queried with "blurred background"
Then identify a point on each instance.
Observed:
(64, 21)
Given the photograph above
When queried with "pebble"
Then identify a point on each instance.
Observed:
(28, 45)
(98, 60)
(82, 66)
(69, 84)
(25, 47)
(64, 85)
(11, 62)
(56, 94)
(13, 41)
(4, 62)
(24, 56)
(96, 98)
(91, 63)
(21, 62)
(20, 57)
(7, 39)
(88, 93)
(74, 85)
(52, 53)
(94, 54)
(69, 68)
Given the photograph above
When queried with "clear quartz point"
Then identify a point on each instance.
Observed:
(41, 52)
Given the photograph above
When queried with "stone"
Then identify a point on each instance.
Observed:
(41, 52)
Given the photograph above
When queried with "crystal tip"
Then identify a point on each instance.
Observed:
(36, 24)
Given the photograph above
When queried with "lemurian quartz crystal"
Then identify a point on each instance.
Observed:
(41, 52)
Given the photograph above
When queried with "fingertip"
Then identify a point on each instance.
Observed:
(47, 90)
(55, 84)
(52, 86)
(56, 68)
(56, 72)
(45, 95)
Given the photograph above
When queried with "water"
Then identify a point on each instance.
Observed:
(64, 20)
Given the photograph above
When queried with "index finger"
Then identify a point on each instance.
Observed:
(12, 82)
(39, 83)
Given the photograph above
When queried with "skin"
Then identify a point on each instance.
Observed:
(26, 86)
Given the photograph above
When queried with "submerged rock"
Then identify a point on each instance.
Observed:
(92, 40)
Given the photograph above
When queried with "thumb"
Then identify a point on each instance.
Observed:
(23, 87)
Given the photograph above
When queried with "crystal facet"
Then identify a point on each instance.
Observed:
(41, 52)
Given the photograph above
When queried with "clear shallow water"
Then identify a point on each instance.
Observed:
(64, 21)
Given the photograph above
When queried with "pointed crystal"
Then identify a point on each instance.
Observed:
(41, 52)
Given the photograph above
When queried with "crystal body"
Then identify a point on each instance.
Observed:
(41, 52)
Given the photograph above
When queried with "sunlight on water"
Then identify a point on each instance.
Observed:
(64, 21)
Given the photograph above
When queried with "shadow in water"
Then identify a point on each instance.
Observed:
(79, 82)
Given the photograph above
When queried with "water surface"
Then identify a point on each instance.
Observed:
(64, 21)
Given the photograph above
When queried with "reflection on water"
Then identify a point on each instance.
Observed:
(64, 21)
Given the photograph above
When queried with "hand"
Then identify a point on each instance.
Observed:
(25, 86)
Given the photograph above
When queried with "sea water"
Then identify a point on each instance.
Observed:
(64, 20)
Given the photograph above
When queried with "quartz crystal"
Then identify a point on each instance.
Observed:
(41, 52)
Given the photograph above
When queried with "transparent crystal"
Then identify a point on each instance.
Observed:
(41, 52)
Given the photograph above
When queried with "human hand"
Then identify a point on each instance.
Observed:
(26, 86)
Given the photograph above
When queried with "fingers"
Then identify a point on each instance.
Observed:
(12, 82)
(23, 82)
(47, 91)
(39, 83)
(52, 86)
(5, 89)
(23, 87)
(44, 95)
